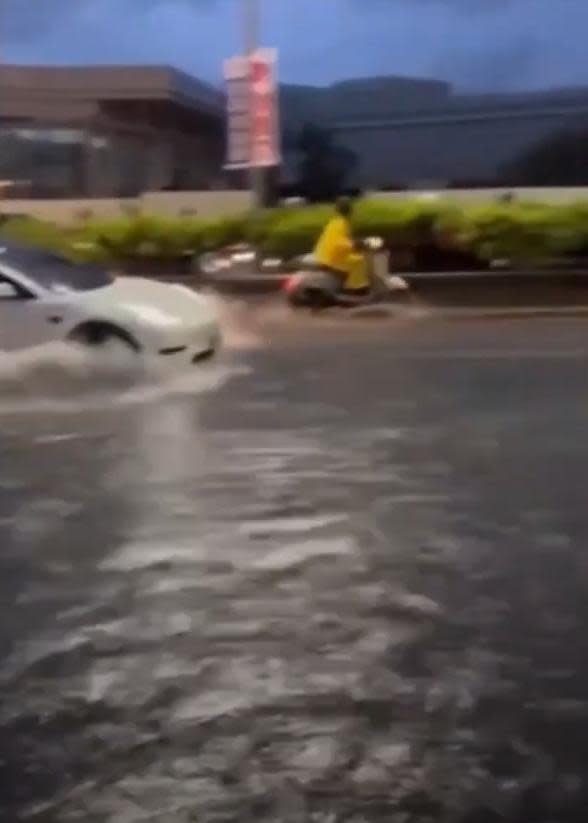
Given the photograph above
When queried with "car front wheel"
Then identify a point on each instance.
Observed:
(102, 335)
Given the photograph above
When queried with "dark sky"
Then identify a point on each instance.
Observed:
(477, 44)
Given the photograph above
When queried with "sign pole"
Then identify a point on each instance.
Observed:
(251, 42)
(253, 127)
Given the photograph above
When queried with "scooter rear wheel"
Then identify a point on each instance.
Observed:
(318, 300)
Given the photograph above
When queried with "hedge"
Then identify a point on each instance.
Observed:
(520, 232)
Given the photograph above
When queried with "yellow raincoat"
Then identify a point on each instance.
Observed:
(335, 250)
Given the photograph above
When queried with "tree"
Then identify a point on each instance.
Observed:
(560, 160)
(324, 166)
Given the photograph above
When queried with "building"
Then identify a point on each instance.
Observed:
(412, 132)
(108, 131)
(119, 131)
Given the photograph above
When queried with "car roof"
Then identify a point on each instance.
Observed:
(46, 268)
(15, 254)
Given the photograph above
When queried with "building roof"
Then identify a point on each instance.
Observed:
(79, 85)
(550, 105)
(384, 102)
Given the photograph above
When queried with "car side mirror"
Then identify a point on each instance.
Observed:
(8, 291)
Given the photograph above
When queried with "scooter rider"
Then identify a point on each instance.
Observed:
(336, 252)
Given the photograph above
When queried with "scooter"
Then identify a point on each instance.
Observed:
(315, 288)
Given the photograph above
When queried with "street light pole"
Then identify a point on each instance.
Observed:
(250, 25)
(251, 42)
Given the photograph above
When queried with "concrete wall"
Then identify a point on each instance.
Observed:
(203, 203)
(66, 211)
(210, 204)
(538, 195)
(207, 204)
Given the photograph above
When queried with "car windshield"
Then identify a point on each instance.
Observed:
(55, 273)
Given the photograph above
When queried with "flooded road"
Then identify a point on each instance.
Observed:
(343, 578)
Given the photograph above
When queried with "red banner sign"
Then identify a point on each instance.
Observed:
(252, 110)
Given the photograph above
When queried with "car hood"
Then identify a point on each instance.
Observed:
(156, 303)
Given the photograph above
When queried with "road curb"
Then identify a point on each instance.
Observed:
(481, 313)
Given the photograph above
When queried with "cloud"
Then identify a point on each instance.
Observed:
(511, 44)
(476, 44)
(26, 20)
(191, 34)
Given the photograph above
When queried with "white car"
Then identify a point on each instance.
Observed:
(44, 298)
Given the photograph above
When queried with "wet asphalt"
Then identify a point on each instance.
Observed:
(343, 578)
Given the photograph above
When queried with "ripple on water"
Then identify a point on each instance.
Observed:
(142, 555)
(303, 625)
(288, 525)
(293, 556)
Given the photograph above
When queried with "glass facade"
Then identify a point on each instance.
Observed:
(58, 162)
(44, 162)
(124, 162)
(51, 162)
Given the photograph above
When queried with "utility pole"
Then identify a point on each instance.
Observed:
(251, 20)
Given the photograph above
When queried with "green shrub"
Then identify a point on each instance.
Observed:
(572, 229)
(225, 231)
(402, 224)
(143, 236)
(261, 223)
(288, 233)
(526, 233)
(296, 232)
(28, 231)
(523, 233)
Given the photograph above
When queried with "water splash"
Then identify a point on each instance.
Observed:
(239, 322)
(65, 377)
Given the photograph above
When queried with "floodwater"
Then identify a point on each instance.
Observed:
(340, 575)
